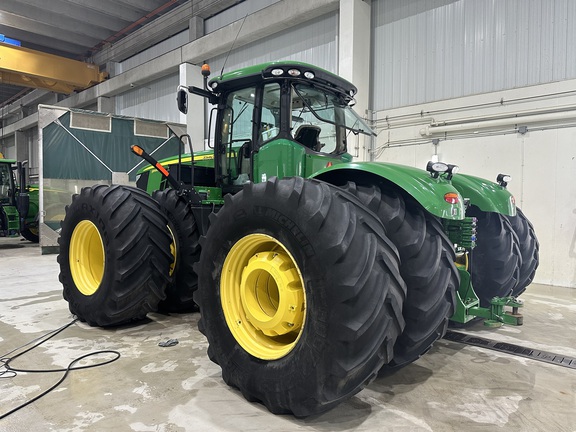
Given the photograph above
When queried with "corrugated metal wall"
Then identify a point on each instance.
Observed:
(155, 100)
(312, 42)
(426, 50)
(157, 50)
(235, 13)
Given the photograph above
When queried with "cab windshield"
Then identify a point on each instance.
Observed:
(328, 107)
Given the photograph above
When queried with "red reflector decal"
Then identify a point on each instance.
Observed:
(162, 169)
(451, 198)
(329, 164)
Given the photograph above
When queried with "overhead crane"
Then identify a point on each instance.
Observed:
(30, 68)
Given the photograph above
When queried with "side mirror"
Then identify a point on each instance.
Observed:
(182, 99)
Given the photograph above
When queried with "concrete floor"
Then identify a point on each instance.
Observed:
(452, 388)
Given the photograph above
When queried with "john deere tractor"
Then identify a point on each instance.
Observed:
(18, 202)
(311, 272)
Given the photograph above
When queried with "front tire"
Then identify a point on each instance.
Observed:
(114, 255)
(300, 295)
(426, 265)
(496, 260)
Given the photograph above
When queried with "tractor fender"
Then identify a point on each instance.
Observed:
(429, 192)
(485, 194)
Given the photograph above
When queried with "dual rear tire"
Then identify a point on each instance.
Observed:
(426, 265)
(114, 255)
(300, 295)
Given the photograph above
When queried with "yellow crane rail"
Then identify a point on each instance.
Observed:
(29, 68)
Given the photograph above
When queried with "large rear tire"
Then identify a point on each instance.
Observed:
(426, 265)
(299, 293)
(495, 262)
(114, 255)
(529, 249)
(186, 251)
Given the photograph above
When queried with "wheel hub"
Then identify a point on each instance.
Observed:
(263, 296)
(86, 255)
(271, 293)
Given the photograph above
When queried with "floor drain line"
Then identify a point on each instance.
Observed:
(534, 354)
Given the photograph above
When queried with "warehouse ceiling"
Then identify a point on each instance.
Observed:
(73, 28)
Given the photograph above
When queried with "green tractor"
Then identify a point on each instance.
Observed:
(311, 272)
(18, 202)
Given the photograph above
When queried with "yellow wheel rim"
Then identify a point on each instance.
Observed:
(173, 251)
(263, 296)
(86, 257)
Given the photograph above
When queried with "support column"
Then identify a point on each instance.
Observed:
(21, 146)
(354, 61)
(195, 28)
(191, 75)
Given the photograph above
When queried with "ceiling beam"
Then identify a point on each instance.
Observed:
(39, 28)
(110, 8)
(156, 31)
(50, 45)
(29, 68)
(147, 5)
(62, 13)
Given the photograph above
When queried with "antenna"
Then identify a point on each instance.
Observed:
(233, 43)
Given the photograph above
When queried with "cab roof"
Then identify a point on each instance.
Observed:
(257, 73)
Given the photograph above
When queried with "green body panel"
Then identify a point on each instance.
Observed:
(279, 158)
(154, 181)
(286, 158)
(429, 192)
(315, 163)
(484, 194)
(213, 194)
(34, 205)
(13, 219)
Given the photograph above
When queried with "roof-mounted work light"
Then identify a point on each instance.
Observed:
(503, 179)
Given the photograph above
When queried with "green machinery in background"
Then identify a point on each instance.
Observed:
(18, 202)
(312, 272)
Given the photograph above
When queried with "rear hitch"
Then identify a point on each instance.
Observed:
(502, 310)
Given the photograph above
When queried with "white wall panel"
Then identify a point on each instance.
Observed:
(312, 42)
(154, 101)
(440, 49)
(235, 13)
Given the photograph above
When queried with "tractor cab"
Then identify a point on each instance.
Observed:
(278, 119)
(7, 185)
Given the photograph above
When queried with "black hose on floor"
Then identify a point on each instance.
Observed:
(8, 371)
